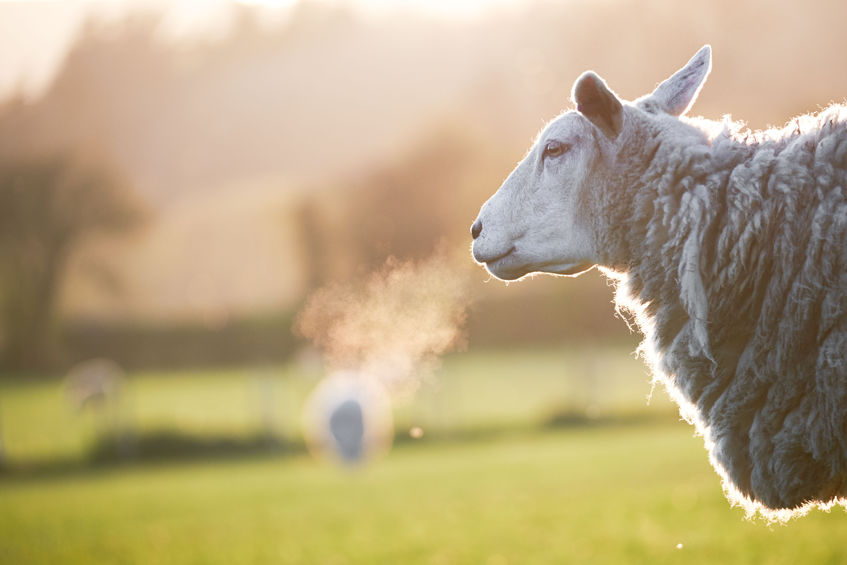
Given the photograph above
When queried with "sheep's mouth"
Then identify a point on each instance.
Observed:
(502, 266)
(495, 263)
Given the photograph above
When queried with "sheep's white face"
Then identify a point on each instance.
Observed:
(540, 220)
(537, 221)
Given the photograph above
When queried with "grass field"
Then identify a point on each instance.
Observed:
(478, 391)
(590, 493)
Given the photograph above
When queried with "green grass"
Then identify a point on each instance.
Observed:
(593, 494)
(38, 423)
(473, 391)
(590, 495)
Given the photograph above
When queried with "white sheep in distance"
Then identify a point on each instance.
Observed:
(730, 251)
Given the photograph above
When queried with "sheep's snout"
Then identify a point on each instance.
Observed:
(488, 250)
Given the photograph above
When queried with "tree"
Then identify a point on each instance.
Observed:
(47, 206)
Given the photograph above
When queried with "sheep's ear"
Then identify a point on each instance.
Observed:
(676, 95)
(598, 103)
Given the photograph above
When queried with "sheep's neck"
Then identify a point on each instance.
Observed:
(671, 208)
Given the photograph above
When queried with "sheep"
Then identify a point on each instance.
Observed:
(347, 418)
(96, 382)
(728, 248)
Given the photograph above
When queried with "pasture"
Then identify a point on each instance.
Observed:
(626, 484)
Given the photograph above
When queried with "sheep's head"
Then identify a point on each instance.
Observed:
(542, 219)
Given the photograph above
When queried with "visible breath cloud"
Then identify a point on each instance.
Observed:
(393, 325)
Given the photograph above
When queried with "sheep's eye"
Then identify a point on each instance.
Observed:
(555, 149)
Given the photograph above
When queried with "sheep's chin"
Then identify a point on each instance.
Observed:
(569, 269)
(511, 273)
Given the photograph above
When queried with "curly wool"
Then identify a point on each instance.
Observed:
(749, 331)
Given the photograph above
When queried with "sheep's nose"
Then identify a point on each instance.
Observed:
(476, 229)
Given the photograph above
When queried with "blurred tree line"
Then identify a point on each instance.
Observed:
(48, 206)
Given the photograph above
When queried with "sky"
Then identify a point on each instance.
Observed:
(35, 34)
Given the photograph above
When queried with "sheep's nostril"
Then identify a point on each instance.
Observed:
(476, 229)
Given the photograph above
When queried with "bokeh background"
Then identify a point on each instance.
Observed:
(178, 178)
